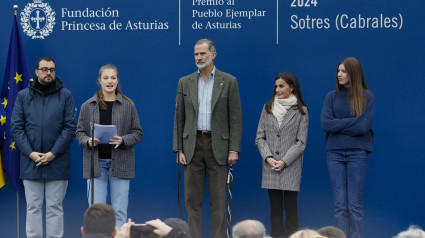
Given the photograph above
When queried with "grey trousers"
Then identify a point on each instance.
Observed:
(54, 191)
(204, 164)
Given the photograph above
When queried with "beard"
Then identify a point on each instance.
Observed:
(48, 79)
(204, 65)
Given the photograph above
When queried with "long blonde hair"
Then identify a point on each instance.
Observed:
(102, 104)
(356, 83)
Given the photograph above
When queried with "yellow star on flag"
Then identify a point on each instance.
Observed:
(12, 145)
(18, 78)
(4, 102)
(31, 80)
(2, 120)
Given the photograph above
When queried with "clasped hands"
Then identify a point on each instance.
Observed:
(42, 158)
(276, 165)
(116, 140)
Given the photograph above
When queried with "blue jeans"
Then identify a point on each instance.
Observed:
(347, 172)
(118, 188)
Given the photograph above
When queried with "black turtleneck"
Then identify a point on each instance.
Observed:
(105, 150)
(44, 88)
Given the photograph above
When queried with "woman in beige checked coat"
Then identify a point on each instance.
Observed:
(281, 139)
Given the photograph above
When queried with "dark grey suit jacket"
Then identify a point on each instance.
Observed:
(226, 116)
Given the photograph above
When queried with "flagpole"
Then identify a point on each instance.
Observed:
(15, 8)
(17, 214)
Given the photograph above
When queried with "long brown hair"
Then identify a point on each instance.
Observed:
(356, 84)
(292, 81)
(102, 104)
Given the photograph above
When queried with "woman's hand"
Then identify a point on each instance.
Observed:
(96, 141)
(271, 161)
(276, 165)
(116, 140)
(279, 165)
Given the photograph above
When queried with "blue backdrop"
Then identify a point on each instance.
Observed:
(255, 41)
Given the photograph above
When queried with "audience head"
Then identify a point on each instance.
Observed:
(331, 232)
(412, 232)
(307, 233)
(99, 218)
(249, 229)
(179, 224)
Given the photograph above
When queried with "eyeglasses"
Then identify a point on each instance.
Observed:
(45, 70)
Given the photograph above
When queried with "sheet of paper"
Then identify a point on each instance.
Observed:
(104, 132)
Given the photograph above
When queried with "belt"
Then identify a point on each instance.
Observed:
(204, 133)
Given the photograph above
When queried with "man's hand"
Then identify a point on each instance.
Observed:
(46, 158)
(182, 157)
(232, 157)
(124, 231)
(36, 156)
(161, 228)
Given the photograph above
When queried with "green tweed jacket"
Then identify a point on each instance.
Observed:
(226, 116)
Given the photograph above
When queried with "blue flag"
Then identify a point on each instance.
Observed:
(16, 77)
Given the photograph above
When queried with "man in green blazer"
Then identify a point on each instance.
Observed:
(209, 118)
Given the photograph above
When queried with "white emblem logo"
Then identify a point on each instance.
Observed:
(38, 19)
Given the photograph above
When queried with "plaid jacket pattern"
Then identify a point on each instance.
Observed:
(286, 143)
(125, 117)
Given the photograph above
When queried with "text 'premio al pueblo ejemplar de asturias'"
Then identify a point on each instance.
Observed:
(221, 15)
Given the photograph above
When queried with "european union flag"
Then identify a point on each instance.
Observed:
(16, 77)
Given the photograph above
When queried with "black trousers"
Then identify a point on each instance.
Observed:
(280, 199)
